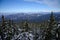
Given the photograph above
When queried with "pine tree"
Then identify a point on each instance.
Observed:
(50, 27)
(2, 27)
(3, 21)
(9, 30)
(26, 26)
(9, 22)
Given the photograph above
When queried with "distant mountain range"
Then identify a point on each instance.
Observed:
(35, 17)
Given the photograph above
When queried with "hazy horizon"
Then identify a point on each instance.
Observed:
(29, 6)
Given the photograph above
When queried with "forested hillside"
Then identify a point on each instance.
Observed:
(30, 27)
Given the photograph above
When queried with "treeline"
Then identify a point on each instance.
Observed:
(8, 29)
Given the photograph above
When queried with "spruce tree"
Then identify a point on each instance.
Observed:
(26, 26)
(50, 27)
(2, 27)
(9, 30)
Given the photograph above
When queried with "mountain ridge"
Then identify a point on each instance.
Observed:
(38, 17)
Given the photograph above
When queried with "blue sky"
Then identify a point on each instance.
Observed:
(29, 6)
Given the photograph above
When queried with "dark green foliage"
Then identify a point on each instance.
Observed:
(6, 27)
(2, 27)
(52, 20)
(39, 31)
(50, 28)
(26, 27)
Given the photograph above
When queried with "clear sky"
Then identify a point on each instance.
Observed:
(29, 5)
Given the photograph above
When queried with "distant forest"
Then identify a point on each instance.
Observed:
(46, 30)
